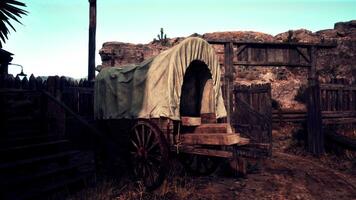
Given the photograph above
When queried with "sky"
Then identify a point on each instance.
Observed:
(53, 39)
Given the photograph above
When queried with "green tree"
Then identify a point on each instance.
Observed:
(9, 10)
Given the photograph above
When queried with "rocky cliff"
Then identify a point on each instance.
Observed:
(339, 62)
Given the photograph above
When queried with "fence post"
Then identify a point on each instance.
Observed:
(55, 114)
(228, 65)
(314, 122)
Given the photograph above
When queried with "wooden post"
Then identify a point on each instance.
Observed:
(92, 32)
(228, 65)
(315, 135)
(55, 114)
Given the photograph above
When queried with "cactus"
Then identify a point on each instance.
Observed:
(162, 38)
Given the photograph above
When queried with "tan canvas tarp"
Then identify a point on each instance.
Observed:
(152, 89)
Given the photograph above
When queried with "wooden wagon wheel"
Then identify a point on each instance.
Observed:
(149, 154)
(199, 164)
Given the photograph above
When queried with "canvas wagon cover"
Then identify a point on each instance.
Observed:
(152, 89)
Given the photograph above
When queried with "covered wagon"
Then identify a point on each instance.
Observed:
(169, 103)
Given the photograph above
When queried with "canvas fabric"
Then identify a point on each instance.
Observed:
(152, 89)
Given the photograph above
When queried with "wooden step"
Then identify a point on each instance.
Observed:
(209, 128)
(13, 133)
(191, 121)
(211, 138)
(21, 180)
(36, 160)
(44, 191)
(21, 141)
(32, 150)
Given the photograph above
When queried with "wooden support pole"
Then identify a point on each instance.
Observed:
(315, 134)
(228, 65)
(92, 33)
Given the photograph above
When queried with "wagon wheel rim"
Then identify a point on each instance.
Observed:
(200, 165)
(148, 155)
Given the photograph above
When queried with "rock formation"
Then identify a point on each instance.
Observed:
(339, 62)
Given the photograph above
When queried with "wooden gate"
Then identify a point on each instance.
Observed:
(251, 116)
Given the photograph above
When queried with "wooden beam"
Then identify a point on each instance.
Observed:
(190, 121)
(228, 65)
(314, 121)
(205, 152)
(240, 49)
(274, 44)
(271, 64)
(92, 33)
(211, 139)
(299, 50)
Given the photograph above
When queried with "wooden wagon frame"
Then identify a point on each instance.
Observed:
(196, 131)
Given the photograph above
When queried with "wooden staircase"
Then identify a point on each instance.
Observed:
(210, 134)
(35, 163)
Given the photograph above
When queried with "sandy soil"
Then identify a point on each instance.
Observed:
(283, 176)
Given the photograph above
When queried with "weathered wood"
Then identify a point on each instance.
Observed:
(211, 139)
(344, 141)
(314, 123)
(270, 64)
(228, 65)
(274, 44)
(300, 51)
(190, 121)
(204, 151)
(92, 33)
(252, 115)
(240, 49)
(339, 120)
(222, 128)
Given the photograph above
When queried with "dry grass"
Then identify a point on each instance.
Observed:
(176, 186)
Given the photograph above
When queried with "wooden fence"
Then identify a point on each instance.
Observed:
(338, 113)
(251, 116)
(49, 95)
(77, 95)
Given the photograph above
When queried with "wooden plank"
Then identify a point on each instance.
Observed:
(300, 51)
(275, 44)
(92, 33)
(211, 139)
(336, 86)
(228, 64)
(270, 64)
(204, 151)
(339, 120)
(190, 121)
(213, 128)
(240, 49)
(338, 114)
(314, 123)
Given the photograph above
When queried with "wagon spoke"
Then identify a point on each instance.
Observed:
(138, 137)
(143, 134)
(151, 174)
(148, 137)
(134, 143)
(152, 146)
(148, 154)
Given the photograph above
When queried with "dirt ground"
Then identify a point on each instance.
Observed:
(289, 174)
